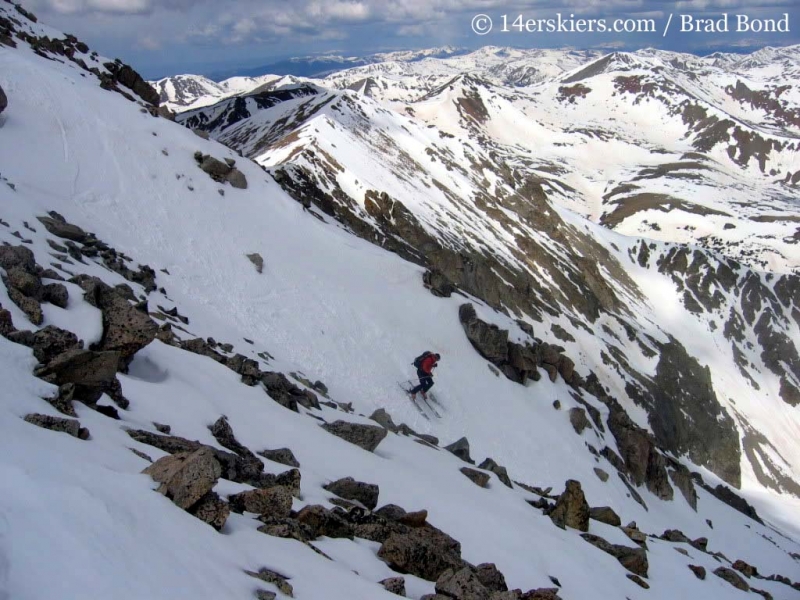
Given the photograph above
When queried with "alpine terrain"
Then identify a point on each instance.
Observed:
(212, 294)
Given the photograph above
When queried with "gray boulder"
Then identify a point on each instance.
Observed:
(350, 489)
(58, 226)
(3, 100)
(47, 343)
(425, 552)
(395, 585)
(237, 179)
(321, 521)
(633, 559)
(384, 419)
(212, 510)
(365, 436)
(490, 341)
(571, 509)
(732, 577)
(461, 449)
(93, 373)
(491, 577)
(578, 419)
(279, 581)
(186, 477)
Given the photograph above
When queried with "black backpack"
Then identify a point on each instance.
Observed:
(418, 361)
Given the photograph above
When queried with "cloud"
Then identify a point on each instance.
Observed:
(111, 7)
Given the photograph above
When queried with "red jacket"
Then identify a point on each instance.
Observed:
(428, 363)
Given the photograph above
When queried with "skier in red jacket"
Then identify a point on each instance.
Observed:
(427, 364)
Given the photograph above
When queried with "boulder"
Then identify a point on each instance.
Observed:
(395, 585)
(93, 373)
(682, 479)
(269, 502)
(732, 577)
(287, 528)
(384, 419)
(186, 477)
(745, 569)
(237, 179)
(421, 552)
(29, 284)
(321, 521)
(212, 510)
(217, 169)
(257, 260)
(501, 472)
(491, 577)
(461, 449)
(283, 456)
(699, 572)
(638, 581)
(3, 100)
(17, 256)
(633, 559)
(289, 479)
(566, 367)
(541, 594)
(30, 306)
(56, 294)
(47, 343)
(70, 426)
(350, 489)
(438, 283)
(287, 394)
(571, 509)
(462, 584)
(606, 515)
(6, 322)
(246, 367)
(479, 478)
(578, 419)
(675, 536)
(365, 436)
(601, 474)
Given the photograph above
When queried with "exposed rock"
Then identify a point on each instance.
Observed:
(729, 497)
(438, 283)
(70, 426)
(462, 584)
(246, 367)
(93, 373)
(279, 581)
(601, 474)
(490, 341)
(461, 449)
(265, 595)
(237, 179)
(395, 585)
(221, 171)
(30, 306)
(571, 509)
(732, 577)
(633, 559)
(675, 536)
(541, 594)
(3, 100)
(56, 294)
(223, 433)
(745, 569)
(257, 261)
(271, 502)
(365, 436)
(6, 322)
(682, 479)
(700, 544)
(17, 256)
(212, 510)
(491, 577)
(62, 401)
(286, 528)
(699, 572)
(287, 394)
(27, 283)
(479, 478)
(635, 535)
(417, 518)
(350, 489)
(501, 472)
(322, 521)
(384, 419)
(578, 419)
(283, 456)
(46, 343)
(638, 581)
(186, 477)
(606, 515)
(422, 553)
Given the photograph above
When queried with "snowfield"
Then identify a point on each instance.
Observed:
(78, 519)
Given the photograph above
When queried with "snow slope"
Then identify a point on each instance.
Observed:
(328, 304)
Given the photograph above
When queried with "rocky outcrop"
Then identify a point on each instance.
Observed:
(3, 100)
(633, 559)
(287, 394)
(571, 509)
(92, 373)
(699, 572)
(462, 584)
(724, 494)
(438, 283)
(186, 477)
(22, 281)
(47, 343)
(491, 577)
(220, 171)
(279, 581)
(350, 489)
(365, 436)
(394, 585)
(211, 509)
(578, 419)
(321, 521)
(127, 76)
(68, 426)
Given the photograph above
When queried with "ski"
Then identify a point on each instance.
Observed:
(414, 402)
(430, 406)
(435, 400)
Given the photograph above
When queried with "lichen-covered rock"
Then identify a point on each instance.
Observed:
(501, 472)
(491, 577)
(69, 426)
(479, 478)
(571, 509)
(395, 585)
(462, 584)
(633, 559)
(732, 577)
(211, 509)
(461, 449)
(322, 521)
(283, 456)
(279, 581)
(421, 553)
(186, 477)
(269, 502)
(93, 373)
(578, 419)
(606, 515)
(47, 343)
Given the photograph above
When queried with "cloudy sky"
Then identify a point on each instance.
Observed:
(214, 37)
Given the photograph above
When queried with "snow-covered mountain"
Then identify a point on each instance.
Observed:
(233, 318)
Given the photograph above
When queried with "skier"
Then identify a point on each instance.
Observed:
(425, 363)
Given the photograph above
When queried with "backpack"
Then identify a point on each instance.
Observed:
(418, 361)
